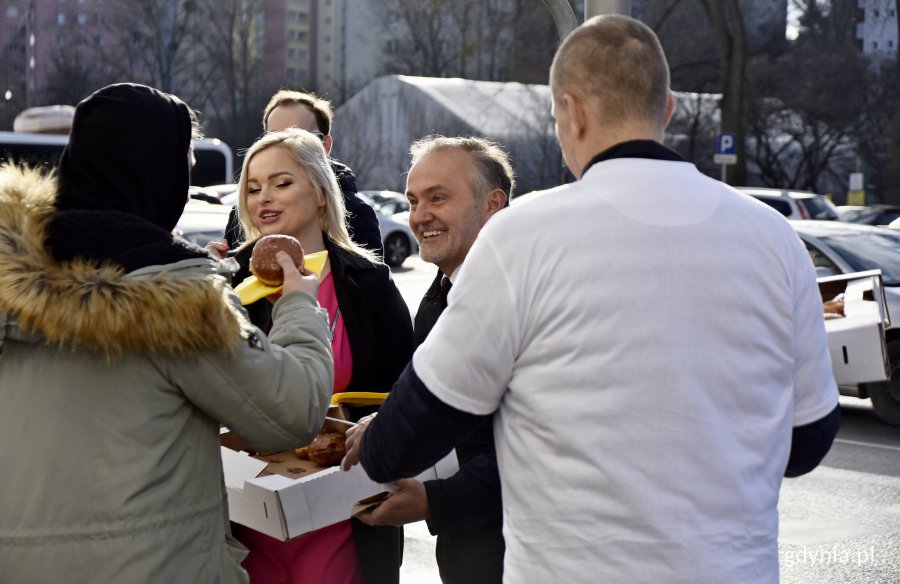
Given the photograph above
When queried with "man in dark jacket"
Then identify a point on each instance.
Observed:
(297, 109)
(454, 186)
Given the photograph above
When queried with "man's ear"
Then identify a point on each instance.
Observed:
(670, 109)
(576, 113)
(495, 200)
(328, 143)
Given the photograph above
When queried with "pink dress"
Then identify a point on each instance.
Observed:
(327, 555)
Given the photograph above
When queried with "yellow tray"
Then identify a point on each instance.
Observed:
(358, 398)
(251, 289)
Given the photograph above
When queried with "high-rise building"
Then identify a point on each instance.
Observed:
(877, 27)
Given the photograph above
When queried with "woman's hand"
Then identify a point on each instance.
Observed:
(218, 249)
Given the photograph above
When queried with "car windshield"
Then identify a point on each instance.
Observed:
(869, 251)
(819, 209)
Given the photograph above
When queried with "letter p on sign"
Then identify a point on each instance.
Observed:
(726, 144)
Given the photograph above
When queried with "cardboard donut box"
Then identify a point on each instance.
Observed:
(284, 496)
(856, 342)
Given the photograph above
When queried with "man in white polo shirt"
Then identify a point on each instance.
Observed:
(650, 341)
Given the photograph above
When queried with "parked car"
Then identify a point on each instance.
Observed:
(203, 222)
(396, 235)
(842, 248)
(390, 202)
(795, 204)
(868, 214)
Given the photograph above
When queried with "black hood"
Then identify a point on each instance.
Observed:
(126, 163)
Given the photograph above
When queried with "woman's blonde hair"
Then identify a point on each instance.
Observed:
(307, 151)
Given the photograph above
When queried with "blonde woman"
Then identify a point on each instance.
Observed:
(287, 187)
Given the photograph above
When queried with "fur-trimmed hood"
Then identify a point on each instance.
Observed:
(184, 307)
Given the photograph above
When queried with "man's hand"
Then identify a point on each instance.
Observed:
(352, 438)
(293, 279)
(408, 504)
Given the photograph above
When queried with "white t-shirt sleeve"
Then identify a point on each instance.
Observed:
(815, 391)
(467, 359)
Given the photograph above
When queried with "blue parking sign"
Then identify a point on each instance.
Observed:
(726, 143)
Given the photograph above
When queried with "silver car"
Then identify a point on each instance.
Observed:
(842, 248)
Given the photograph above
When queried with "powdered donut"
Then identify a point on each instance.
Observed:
(263, 263)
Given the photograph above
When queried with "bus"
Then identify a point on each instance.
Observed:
(215, 163)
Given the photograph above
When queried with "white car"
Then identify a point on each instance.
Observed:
(795, 204)
(843, 248)
(397, 237)
(203, 222)
(390, 202)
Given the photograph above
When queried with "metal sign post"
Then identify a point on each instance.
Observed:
(726, 151)
(595, 7)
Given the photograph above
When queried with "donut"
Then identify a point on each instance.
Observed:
(263, 263)
(327, 449)
(835, 305)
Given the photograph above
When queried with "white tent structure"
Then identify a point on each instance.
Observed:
(374, 129)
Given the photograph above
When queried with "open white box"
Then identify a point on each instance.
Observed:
(285, 508)
(856, 342)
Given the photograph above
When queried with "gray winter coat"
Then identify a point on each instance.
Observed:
(112, 390)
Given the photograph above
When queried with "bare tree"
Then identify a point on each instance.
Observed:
(728, 29)
(858, 106)
(693, 128)
(233, 50)
(73, 76)
(156, 40)
(461, 38)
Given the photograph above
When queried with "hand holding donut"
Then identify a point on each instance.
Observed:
(277, 260)
(294, 280)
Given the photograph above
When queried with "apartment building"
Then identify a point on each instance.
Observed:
(877, 27)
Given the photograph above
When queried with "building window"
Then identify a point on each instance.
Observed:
(12, 12)
(390, 47)
(874, 45)
(292, 35)
(81, 18)
(60, 19)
